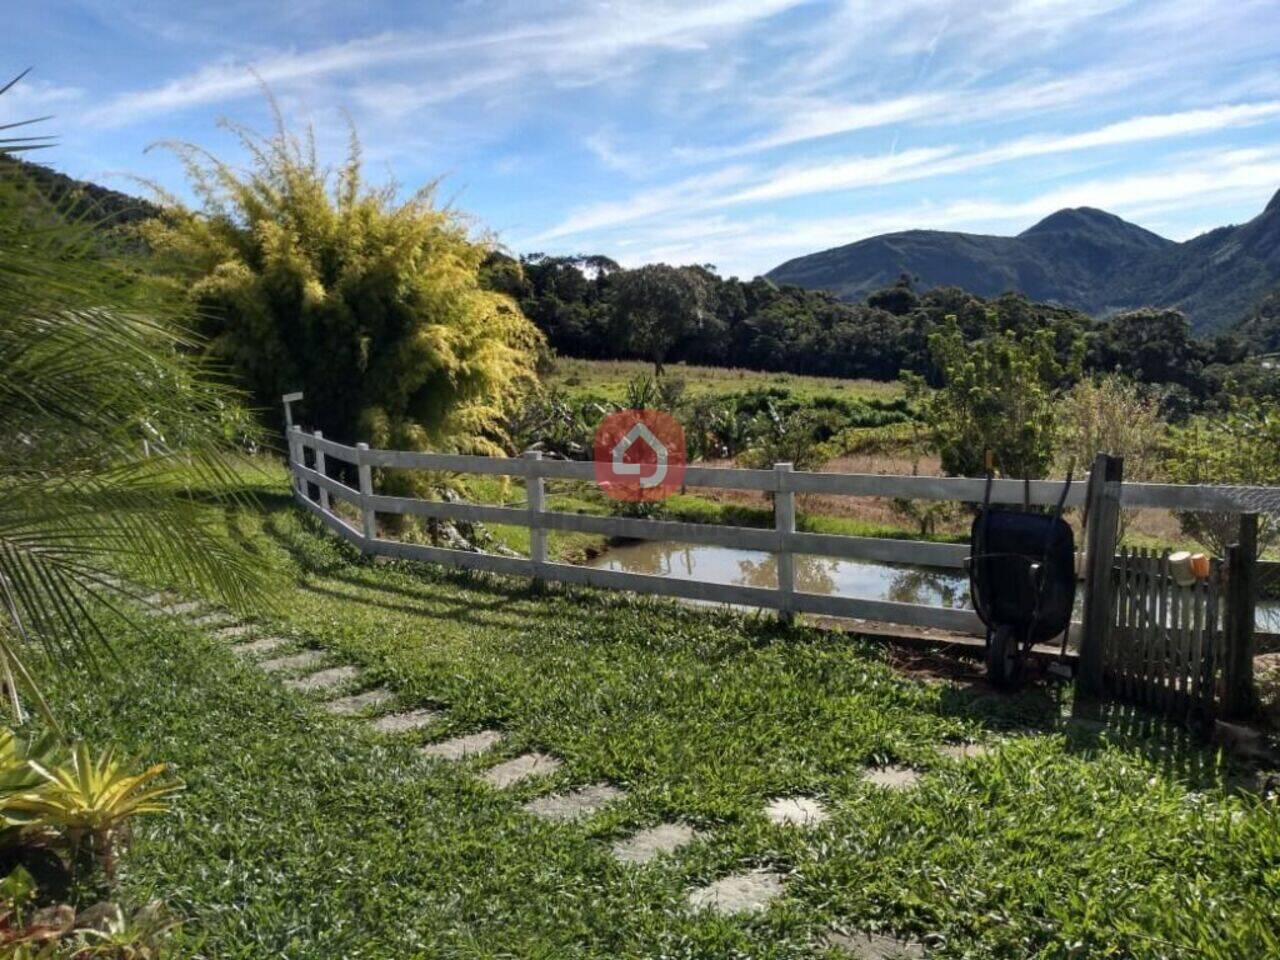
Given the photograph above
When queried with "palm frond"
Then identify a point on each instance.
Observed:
(114, 437)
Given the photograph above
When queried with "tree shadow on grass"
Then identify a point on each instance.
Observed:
(1177, 749)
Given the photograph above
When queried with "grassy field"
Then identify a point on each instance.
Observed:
(609, 378)
(306, 835)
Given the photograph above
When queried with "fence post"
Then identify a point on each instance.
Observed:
(1105, 480)
(369, 519)
(289, 399)
(297, 457)
(784, 516)
(321, 469)
(535, 486)
(1238, 701)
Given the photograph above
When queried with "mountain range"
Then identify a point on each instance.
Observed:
(1081, 257)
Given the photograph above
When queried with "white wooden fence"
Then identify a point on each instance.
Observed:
(311, 456)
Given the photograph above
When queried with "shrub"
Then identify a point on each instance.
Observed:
(1241, 446)
(1111, 414)
(374, 307)
(998, 394)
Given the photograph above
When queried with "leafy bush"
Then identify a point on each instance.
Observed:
(1241, 446)
(999, 394)
(373, 307)
(1114, 415)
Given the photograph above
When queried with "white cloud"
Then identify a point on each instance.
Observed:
(30, 98)
(853, 173)
(605, 149)
(574, 48)
(691, 192)
(752, 245)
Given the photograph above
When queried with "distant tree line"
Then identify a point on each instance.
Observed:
(591, 307)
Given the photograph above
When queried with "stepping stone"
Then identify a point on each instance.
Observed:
(299, 661)
(521, 768)
(324, 679)
(235, 632)
(215, 619)
(575, 804)
(182, 609)
(894, 778)
(740, 893)
(155, 599)
(647, 844)
(460, 747)
(874, 946)
(964, 751)
(259, 647)
(404, 722)
(796, 811)
(359, 702)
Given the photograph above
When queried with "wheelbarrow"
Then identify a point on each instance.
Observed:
(1022, 580)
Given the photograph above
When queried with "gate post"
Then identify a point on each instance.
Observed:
(535, 486)
(1238, 700)
(1103, 512)
(784, 521)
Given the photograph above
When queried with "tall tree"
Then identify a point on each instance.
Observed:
(659, 305)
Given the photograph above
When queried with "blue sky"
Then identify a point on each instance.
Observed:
(738, 133)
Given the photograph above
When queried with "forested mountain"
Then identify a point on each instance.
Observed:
(1082, 258)
(82, 199)
(762, 325)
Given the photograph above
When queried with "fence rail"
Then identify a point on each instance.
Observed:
(1103, 496)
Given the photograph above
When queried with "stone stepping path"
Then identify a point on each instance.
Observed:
(740, 893)
(182, 609)
(259, 647)
(309, 659)
(405, 722)
(893, 778)
(796, 812)
(665, 838)
(964, 751)
(464, 746)
(237, 631)
(522, 768)
(217, 618)
(324, 679)
(359, 702)
(574, 805)
(875, 946)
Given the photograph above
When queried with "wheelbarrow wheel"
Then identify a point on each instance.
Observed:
(1004, 660)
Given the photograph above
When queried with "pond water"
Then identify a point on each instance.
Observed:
(865, 579)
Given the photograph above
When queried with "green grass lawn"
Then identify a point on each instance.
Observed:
(306, 835)
(609, 379)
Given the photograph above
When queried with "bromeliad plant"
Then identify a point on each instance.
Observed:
(88, 797)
